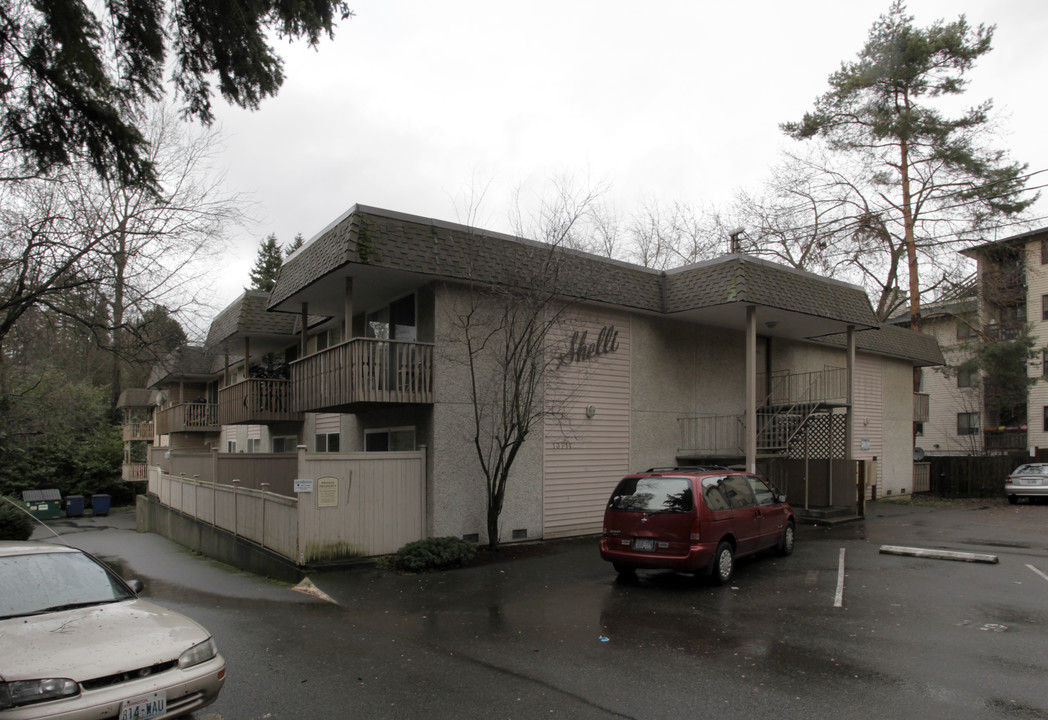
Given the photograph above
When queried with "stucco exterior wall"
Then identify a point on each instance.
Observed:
(457, 495)
(677, 370)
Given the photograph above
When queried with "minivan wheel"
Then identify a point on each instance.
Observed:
(787, 539)
(723, 564)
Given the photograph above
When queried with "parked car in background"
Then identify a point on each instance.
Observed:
(697, 520)
(76, 642)
(1029, 481)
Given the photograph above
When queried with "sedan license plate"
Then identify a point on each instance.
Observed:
(643, 544)
(1029, 481)
(144, 707)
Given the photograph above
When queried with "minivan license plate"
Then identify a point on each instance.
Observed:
(643, 544)
(144, 707)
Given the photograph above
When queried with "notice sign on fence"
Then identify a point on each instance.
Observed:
(327, 492)
(303, 485)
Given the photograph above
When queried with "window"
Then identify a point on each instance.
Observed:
(967, 423)
(964, 329)
(397, 439)
(231, 446)
(1044, 307)
(762, 492)
(1046, 418)
(738, 492)
(285, 443)
(323, 340)
(254, 445)
(327, 442)
(965, 377)
(1044, 252)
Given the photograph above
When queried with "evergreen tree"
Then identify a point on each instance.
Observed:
(267, 265)
(932, 172)
(295, 245)
(76, 73)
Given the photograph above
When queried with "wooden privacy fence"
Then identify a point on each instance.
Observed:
(357, 505)
(973, 476)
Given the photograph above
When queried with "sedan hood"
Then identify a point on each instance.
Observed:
(94, 642)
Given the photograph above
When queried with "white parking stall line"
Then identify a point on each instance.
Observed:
(1039, 572)
(838, 598)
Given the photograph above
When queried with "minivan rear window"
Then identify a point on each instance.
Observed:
(653, 495)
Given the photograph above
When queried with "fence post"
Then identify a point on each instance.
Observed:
(262, 534)
(236, 519)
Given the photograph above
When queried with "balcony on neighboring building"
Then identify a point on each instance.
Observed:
(256, 401)
(921, 407)
(188, 417)
(138, 431)
(1009, 438)
(362, 371)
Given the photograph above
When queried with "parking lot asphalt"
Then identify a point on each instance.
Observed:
(838, 629)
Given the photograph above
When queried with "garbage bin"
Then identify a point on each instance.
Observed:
(100, 504)
(74, 505)
(43, 504)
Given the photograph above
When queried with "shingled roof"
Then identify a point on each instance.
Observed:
(385, 239)
(247, 314)
(894, 341)
(381, 238)
(742, 279)
(187, 361)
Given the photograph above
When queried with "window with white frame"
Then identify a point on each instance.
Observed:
(967, 423)
(254, 445)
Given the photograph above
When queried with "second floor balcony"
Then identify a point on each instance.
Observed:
(363, 371)
(133, 431)
(256, 401)
(188, 417)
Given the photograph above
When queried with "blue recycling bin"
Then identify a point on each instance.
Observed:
(100, 504)
(74, 505)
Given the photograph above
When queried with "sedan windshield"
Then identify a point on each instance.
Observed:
(48, 582)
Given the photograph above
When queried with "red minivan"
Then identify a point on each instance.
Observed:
(695, 520)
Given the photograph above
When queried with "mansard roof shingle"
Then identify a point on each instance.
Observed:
(382, 238)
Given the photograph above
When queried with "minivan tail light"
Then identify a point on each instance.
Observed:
(695, 534)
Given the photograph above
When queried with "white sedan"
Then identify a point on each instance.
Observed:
(76, 642)
(1029, 481)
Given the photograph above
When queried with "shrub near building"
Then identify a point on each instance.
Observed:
(15, 521)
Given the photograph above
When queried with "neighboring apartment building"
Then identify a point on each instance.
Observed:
(736, 360)
(1013, 292)
(953, 423)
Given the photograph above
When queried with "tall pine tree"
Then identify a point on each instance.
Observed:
(932, 172)
(267, 264)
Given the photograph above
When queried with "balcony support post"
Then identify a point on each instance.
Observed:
(849, 432)
(751, 388)
(347, 331)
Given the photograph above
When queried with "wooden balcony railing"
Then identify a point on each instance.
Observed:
(790, 388)
(138, 431)
(1008, 439)
(256, 401)
(921, 407)
(363, 370)
(188, 417)
(134, 472)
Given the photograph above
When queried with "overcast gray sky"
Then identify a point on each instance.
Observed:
(667, 100)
